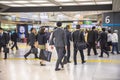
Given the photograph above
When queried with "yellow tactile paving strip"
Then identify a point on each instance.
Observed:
(90, 61)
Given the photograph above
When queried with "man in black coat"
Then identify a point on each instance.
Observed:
(103, 42)
(78, 36)
(3, 41)
(14, 38)
(68, 37)
(91, 40)
(32, 40)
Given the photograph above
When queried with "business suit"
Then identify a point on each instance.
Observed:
(32, 40)
(3, 42)
(91, 39)
(68, 37)
(103, 43)
(77, 38)
(58, 39)
(14, 38)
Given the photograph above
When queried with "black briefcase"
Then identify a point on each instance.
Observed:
(6, 50)
(107, 48)
(34, 50)
(45, 55)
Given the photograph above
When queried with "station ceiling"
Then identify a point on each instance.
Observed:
(66, 9)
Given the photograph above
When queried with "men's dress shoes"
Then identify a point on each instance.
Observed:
(108, 55)
(5, 58)
(96, 54)
(89, 55)
(57, 69)
(118, 53)
(69, 61)
(75, 63)
(83, 62)
(43, 64)
(62, 66)
(100, 56)
(25, 57)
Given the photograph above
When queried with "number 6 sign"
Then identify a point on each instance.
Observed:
(107, 19)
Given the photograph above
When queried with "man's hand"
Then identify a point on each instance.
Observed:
(66, 48)
(96, 42)
(52, 47)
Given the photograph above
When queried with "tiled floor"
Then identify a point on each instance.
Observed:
(16, 68)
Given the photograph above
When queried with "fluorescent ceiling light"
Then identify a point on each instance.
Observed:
(106, 2)
(69, 4)
(15, 5)
(39, 1)
(5, 2)
(31, 5)
(83, 0)
(64, 0)
(20, 1)
(47, 5)
(87, 3)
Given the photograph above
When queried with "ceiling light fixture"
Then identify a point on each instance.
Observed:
(20, 1)
(5, 2)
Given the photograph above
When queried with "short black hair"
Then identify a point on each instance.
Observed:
(1, 28)
(109, 31)
(55, 28)
(78, 26)
(67, 26)
(103, 29)
(42, 30)
(32, 29)
(59, 24)
(93, 27)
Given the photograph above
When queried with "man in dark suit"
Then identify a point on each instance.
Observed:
(68, 37)
(91, 40)
(103, 42)
(58, 39)
(3, 41)
(14, 38)
(32, 40)
(78, 36)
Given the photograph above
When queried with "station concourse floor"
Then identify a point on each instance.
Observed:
(17, 68)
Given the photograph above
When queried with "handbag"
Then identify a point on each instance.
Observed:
(107, 48)
(81, 45)
(6, 50)
(34, 50)
(45, 55)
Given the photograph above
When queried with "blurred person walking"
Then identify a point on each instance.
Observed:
(103, 42)
(42, 44)
(91, 40)
(58, 39)
(78, 36)
(32, 40)
(68, 37)
(115, 42)
(4, 40)
(109, 40)
(14, 38)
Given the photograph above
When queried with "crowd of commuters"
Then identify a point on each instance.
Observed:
(61, 39)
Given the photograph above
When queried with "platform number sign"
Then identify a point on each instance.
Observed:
(107, 19)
